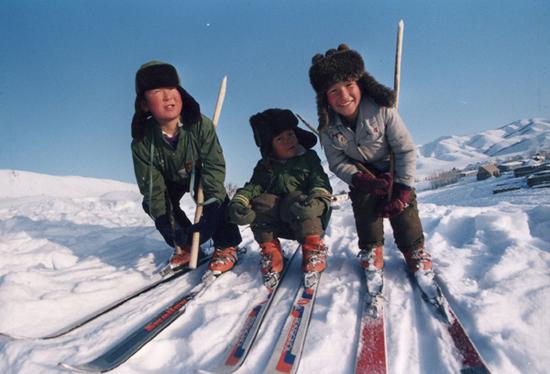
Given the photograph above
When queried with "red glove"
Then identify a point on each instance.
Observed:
(399, 202)
(368, 183)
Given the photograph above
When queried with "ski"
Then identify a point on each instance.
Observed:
(125, 348)
(242, 343)
(169, 275)
(371, 351)
(468, 355)
(288, 350)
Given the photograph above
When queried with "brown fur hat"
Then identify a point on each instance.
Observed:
(157, 74)
(268, 124)
(340, 65)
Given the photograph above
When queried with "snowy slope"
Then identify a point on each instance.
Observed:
(520, 137)
(66, 249)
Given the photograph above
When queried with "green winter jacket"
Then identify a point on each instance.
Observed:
(157, 164)
(303, 173)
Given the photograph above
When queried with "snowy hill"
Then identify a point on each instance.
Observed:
(68, 248)
(15, 183)
(523, 137)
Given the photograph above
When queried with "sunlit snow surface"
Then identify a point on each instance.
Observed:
(69, 245)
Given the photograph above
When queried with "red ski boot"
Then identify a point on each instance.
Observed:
(223, 260)
(272, 262)
(372, 262)
(314, 259)
(181, 257)
(420, 264)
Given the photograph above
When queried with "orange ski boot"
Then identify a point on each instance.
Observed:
(223, 260)
(272, 262)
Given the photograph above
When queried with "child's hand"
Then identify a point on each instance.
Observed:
(208, 221)
(240, 214)
(399, 202)
(307, 207)
(370, 184)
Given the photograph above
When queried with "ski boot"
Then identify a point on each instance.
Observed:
(223, 260)
(420, 265)
(372, 262)
(271, 262)
(180, 258)
(314, 259)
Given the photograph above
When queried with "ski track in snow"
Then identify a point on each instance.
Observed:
(66, 251)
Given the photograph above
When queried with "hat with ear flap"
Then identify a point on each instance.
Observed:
(158, 74)
(341, 65)
(268, 124)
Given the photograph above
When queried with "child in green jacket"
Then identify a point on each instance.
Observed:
(287, 197)
(174, 147)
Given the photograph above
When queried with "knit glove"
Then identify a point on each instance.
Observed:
(307, 207)
(239, 214)
(368, 183)
(176, 235)
(208, 221)
(400, 200)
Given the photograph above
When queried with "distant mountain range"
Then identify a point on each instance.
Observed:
(524, 137)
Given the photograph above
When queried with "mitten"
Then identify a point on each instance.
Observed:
(239, 214)
(307, 207)
(400, 200)
(368, 183)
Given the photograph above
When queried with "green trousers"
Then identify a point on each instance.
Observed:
(274, 219)
(407, 228)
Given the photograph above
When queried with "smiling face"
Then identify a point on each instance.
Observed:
(344, 98)
(285, 145)
(164, 104)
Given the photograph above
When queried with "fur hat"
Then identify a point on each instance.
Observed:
(271, 122)
(158, 74)
(340, 65)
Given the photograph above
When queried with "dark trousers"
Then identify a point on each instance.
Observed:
(407, 228)
(274, 219)
(223, 233)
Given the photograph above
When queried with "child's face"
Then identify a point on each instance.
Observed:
(163, 103)
(344, 98)
(285, 145)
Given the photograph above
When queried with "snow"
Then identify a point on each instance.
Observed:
(69, 245)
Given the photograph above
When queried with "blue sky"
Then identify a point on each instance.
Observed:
(67, 69)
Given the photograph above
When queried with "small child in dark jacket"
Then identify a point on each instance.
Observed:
(287, 197)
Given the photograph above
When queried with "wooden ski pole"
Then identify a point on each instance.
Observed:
(398, 50)
(396, 85)
(200, 192)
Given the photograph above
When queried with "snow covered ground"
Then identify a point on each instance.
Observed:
(69, 245)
